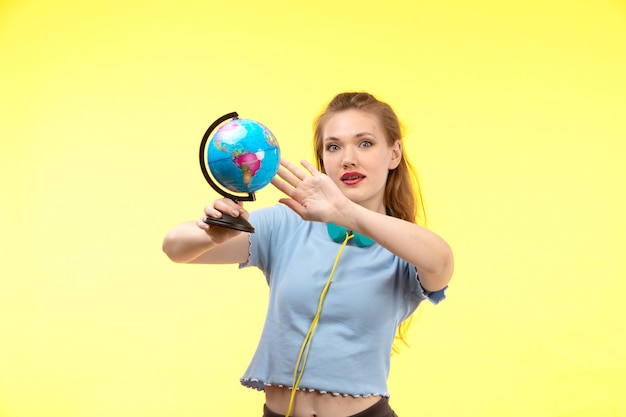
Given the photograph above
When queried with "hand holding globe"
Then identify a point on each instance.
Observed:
(242, 157)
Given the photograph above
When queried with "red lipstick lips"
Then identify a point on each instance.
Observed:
(351, 178)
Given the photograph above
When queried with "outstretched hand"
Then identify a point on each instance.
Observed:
(313, 195)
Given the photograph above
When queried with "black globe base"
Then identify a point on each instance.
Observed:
(230, 222)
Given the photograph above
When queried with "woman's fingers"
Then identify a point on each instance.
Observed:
(223, 205)
(297, 172)
(295, 182)
(291, 177)
(310, 167)
(283, 186)
(294, 175)
(288, 177)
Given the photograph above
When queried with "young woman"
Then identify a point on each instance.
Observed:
(345, 261)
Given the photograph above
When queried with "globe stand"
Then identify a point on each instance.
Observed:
(230, 222)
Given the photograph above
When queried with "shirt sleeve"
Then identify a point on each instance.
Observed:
(434, 297)
(272, 225)
(259, 249)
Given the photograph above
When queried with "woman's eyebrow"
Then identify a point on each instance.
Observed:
(358, 135)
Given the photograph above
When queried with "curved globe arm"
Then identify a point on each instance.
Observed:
(203, 165)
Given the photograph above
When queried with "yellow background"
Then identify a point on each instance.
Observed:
(516, 120)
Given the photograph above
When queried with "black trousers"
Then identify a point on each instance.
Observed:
(380, 409)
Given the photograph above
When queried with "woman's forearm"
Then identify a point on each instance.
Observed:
(186, 242)
(428, 252)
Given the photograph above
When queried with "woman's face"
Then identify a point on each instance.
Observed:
(358, 158)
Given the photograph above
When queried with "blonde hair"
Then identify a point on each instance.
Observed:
(403, 196)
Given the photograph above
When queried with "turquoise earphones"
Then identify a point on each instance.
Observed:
(338, 234)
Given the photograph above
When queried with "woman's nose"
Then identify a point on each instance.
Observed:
(349, 157)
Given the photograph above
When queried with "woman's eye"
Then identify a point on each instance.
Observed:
(332, 147)
(366, 144)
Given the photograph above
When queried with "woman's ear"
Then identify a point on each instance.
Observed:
(396, 155)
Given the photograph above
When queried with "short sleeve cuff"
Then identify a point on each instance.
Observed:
(436, 297)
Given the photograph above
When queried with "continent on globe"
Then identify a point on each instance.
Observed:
(249, 163)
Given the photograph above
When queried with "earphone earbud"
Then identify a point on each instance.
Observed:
(338, 234)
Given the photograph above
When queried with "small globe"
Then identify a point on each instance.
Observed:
(243, 156)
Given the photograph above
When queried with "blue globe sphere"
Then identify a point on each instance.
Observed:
(243, 156)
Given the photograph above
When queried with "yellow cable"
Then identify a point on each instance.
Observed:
(306, 344)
